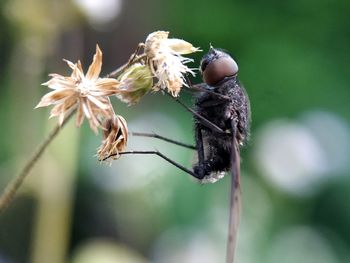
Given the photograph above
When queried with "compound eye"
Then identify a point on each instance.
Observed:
(219, 69)
(204, 65)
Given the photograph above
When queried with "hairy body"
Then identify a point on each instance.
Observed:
(217, 146)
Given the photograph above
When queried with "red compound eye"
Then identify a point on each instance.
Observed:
(218, 69)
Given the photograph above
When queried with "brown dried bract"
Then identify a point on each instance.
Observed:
(115, 137)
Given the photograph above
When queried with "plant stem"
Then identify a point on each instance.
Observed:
(13, 186)
(134, 58)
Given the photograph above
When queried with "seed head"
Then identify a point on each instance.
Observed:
(166, 62)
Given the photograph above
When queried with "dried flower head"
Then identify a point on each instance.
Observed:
(115, 137)
(89, 93)
(135, 82)
(166, 62)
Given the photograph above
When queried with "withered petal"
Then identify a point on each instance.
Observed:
(106, 86)
(54, 97)
(93, 121)
(98, 103)
(56, 110)
(70, 64)
(95, 67)
(78, 73)
(70, 102)
(114, 142)
(85, 108)
(181, 46)
(57, 83)
(124, 126)
(61, 118)
(80, 115)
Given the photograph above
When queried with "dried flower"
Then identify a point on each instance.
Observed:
(135, 82)
(115, 137)
(166, 62)
(89, 93)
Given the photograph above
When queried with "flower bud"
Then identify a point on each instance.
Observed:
(135, 82)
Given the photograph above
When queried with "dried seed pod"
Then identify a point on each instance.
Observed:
(115, 137)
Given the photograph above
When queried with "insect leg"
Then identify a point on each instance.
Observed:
(181, 167)
(160, 137)
(204, 121)
(202, 87)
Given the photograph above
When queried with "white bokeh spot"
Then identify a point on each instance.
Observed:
(297, 157)
(289, 156)
(100, 12)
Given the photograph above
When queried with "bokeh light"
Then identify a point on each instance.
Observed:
(101, 12)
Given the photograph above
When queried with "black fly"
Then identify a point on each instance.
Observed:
(229, 113)
(221, 127)
(222, 116)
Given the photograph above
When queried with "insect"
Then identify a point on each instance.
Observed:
(221, 120)
(222, 116)
(229, 112)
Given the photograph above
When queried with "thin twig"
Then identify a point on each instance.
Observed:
(13, 186)
(157, 136)
(133, 58)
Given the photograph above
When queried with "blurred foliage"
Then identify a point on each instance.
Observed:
(294, 61)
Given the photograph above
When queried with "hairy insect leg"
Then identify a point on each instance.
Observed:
(161, 155)
(204, 121)
(201, 87)
(160, 137)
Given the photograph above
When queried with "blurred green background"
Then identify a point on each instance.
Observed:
(294, 59)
